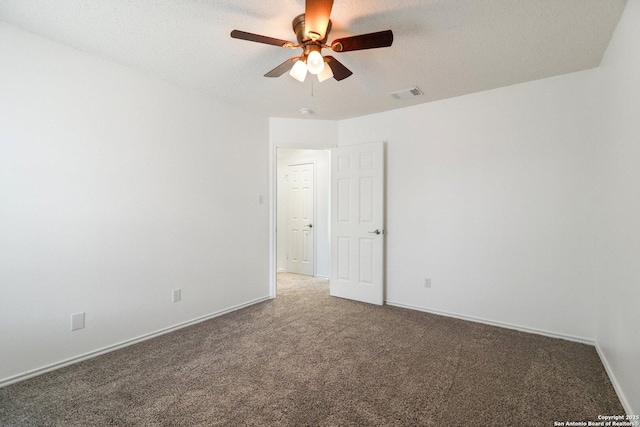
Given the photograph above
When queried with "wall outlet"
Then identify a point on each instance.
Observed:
(427, 282)
(77, 321)
(176, 295)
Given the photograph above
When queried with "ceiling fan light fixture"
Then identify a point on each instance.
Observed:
(315, 62)
(299, 71)
(325, 74)
(312, 30)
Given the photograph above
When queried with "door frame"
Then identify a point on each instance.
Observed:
(273, 175)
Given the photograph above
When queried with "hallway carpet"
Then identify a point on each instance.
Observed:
(307, 359)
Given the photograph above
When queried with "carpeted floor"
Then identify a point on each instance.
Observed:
(309, 359)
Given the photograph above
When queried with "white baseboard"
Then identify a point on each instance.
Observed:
(132, 341)
(614, 381)
(494, 323)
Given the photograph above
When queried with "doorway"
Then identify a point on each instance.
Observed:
(302, 236)
(349, 214)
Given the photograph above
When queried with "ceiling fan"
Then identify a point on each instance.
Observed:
(312, 29)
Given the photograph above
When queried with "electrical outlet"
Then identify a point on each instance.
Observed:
(176, 295)
(427, 282)
(77, 321)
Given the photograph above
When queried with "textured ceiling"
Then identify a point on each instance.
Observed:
(445, 47)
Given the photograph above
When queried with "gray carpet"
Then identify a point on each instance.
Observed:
(308, 359)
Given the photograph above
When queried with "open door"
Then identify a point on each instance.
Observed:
(357, 221)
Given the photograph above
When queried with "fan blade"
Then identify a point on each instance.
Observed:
(316, 18)
(282, 68)
(363, 41)
(243, 35)
(340, 72)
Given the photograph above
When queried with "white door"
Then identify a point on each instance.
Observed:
(357, 221)
(300, 217)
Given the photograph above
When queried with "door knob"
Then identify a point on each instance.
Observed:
(376, 231)
(309, 225)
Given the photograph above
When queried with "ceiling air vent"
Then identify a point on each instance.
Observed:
(407, 93)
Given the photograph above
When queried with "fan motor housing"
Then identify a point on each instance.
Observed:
(301, 36)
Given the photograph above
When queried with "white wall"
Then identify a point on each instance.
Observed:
(491, 195)
(116, 188)
(303, 133)
(321, 159)
(618, 311)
